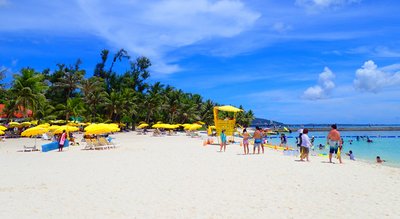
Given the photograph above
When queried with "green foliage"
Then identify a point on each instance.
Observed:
(108, 95)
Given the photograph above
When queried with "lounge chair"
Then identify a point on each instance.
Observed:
(89, 145)
(106, 143)
(29, 148)
(98, 146)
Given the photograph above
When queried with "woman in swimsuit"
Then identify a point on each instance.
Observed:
(245, 141)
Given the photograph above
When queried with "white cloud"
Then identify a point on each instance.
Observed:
(379, 51)
(155, 28)
(315, 5)
(281, 27)
(372, 79)
(324, 87)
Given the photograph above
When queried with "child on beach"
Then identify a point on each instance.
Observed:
(351, 155)
(305, 145)
(223, 140)
(246, 141)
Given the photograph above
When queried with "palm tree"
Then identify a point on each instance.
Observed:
(115, 104)
(249, 117)
(70, 79)
(74, 107)
(45, 111)
(28, 87)
(94, 96)
(153, 100)
(207, 112)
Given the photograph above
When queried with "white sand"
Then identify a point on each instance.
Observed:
(176, 177)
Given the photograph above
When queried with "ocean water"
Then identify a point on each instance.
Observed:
(386, 144)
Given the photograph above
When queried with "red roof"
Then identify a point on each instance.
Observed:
(17, 114)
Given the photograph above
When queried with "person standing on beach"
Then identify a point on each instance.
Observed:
(305, 145)
(335, 142)
(257, 140)
(263, 139)
(245, 141)
(283, 140)
(223, 140)
(62, 141)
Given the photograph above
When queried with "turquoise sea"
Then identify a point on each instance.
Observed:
(386, 144)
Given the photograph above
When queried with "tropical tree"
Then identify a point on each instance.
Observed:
(106, 96)
(94, 96)
(153, 100)
(44, 111)
(207, 112)
(28, 88)
(70, 79)
(74, 107)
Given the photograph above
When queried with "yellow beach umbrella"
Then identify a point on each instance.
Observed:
(60, 121)
(3, 128)
(44, 125)
(143, 125)
(67, 128)
(186, 125)
(26, 124)
(53, 128)
(2, 132)
(72, 124)
(34, 131)
(96, 129)
(14, 124)
(194, 127)
(158, 125)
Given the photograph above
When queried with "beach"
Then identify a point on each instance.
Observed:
(178, 177)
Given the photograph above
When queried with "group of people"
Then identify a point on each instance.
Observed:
(334, 141)
(258, 136)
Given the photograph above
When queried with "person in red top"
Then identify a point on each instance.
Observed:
(334, 142)
(61, 143)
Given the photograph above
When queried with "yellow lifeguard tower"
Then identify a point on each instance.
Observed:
(227, 124)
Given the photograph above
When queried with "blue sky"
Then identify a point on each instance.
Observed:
(294, 61)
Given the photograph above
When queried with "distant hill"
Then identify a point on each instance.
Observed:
(265, 122)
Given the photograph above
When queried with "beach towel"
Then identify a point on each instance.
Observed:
(62, 139)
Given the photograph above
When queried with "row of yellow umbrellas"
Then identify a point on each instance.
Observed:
(194, 126)
(89, 130)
